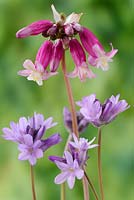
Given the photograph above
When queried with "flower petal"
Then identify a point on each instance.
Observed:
(32, 160)
(79, 173)
(38, 153)
(28, 140)
(71, 181)
(23, 156)
(62, 166)
(56, 15)
(73, 18)
(68, 157)
(61, 178)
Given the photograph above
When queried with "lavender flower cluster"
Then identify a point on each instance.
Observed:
(72, 165)
(28, 133)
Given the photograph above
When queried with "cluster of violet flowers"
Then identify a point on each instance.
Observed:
(29, 132)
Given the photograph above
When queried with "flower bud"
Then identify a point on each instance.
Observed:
(44, 53)
(34, 29)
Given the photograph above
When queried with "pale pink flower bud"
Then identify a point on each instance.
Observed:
(52, 31)
(57, 56)
(44, 54)
(69, 29)
(34, 29)
(77, 27)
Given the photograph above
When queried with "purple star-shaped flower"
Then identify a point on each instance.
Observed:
(70, 171)
(74, 160)
(28, 134)
(100, 114)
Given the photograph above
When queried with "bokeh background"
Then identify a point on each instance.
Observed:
(111, 21)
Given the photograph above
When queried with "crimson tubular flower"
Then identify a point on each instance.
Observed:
(61, 36)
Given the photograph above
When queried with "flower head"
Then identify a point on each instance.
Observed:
(28, 133)
(81, 68)
(101, 58)
(79, 149)
(74, 160)
(69, 170)
(97, 56)
(81, 121)
(60, 28)
(61, 35)
(99, 114)
(37, 72)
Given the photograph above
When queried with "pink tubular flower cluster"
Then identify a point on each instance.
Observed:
(61, 34)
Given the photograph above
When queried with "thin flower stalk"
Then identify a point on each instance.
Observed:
(99, 165)
(92, 186)
(32, 182)
(70, 98)
(85, 188)
(74, 125)
(63, 192)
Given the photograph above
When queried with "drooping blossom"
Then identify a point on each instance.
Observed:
(56, 56)
(62, 32)
(34, 29)
(37, 71)
(73, 162)
(97, 56)
(81, 121)
(81, 68)
(100, 114)
(28, 134)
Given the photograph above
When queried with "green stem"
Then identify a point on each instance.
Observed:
(63, 192)
(92, 186)
(99, 165)
(32, 182)
(85, 188)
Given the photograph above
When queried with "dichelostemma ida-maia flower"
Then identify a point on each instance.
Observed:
(61, 36)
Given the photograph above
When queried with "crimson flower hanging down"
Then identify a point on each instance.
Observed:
(61, 35)
(28, 133)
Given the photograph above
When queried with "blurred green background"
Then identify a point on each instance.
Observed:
(111, 21)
